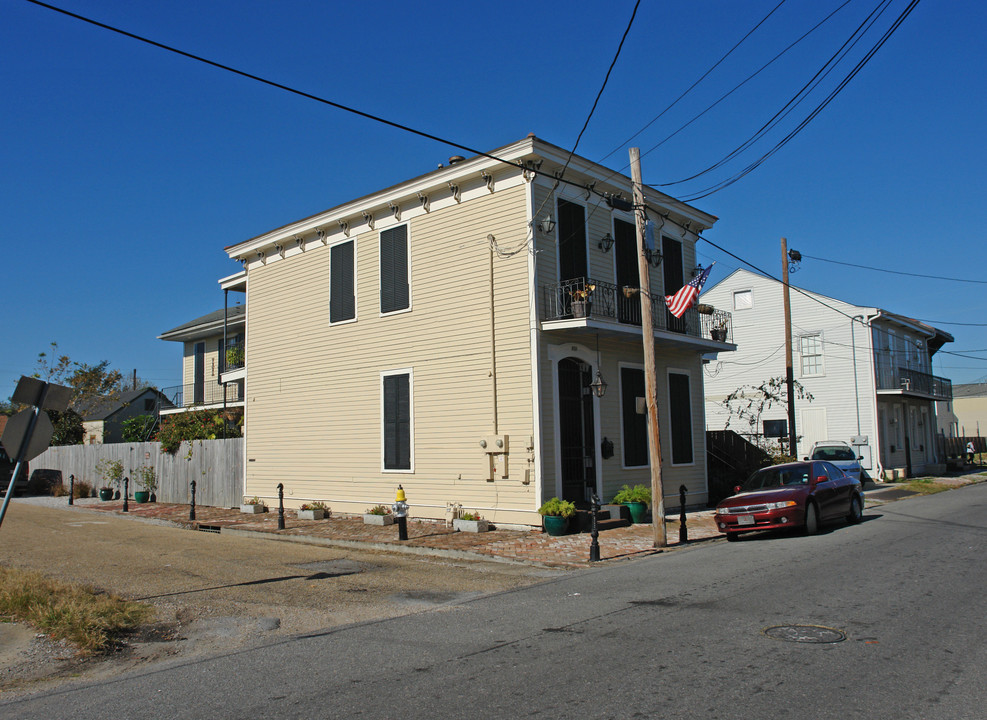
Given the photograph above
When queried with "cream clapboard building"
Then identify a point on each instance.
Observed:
(433, 335)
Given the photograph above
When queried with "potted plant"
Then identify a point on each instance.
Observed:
(582, 300)
(636, 499)
(470, 522)
(253, 506)
(112, 473)
(313, 511)
(147, 481)
(719, 332)
(555, 515)
(234, 356)
(378, 515)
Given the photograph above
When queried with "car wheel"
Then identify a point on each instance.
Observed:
(855, 510)
(732, 536)
(811, 519)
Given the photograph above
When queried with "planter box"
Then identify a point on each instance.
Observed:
(252, 509)
(317, 514)
(581, 308)
(378, 519)
(476, 526)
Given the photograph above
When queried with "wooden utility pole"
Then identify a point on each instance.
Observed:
(789, 370)
(650, 374)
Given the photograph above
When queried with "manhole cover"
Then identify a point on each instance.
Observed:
(805, 633)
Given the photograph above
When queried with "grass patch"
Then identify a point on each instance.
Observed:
(91, 620)
(925, 486)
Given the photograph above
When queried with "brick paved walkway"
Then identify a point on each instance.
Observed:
(530, 546)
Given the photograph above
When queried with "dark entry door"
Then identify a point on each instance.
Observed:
(572, 240)
(671, 252)
(578, 461)
(628, 275)
(199, 374)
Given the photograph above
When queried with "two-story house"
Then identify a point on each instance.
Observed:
(473, 335)
(868, 372)
(213, 359)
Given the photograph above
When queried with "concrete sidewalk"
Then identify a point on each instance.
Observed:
(424, 537)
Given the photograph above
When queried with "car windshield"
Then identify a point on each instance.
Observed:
(833, 453)
(779, 476)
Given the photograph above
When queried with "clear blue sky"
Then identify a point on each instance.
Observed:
(127, 169)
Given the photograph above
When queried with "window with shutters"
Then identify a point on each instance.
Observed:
(397, 424)
(342, 283)
(634, 417)
(680, 412)
(395, 292)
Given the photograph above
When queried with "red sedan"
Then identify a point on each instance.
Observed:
(801, 494)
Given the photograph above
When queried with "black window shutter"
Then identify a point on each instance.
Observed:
(671, 252)
(572, 240)
(635, 424)
(394, 269)
(342, 299)
(680, 406)
(397, 423)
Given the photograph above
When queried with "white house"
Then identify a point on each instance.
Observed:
(868, 371)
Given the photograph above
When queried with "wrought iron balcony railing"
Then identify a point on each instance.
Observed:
(597, 300)
(205, 393)
(914, 382)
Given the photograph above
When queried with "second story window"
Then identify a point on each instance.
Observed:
(395, 291)
(811, 349)
(342, 287)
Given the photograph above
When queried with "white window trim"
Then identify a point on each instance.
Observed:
(692, 415)
(379, 279)
(356, 294)
(411, 417)
(623, 432)
(734, 299)
(822, 354)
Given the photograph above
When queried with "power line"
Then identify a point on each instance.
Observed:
(809, 118)
(304, 94)
(894, 272)
(691, 87)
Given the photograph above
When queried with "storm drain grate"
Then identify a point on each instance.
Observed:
(210, 528)
(805, 633)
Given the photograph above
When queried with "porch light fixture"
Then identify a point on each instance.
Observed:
(599, 385)
(606, 242)
(696, 270)
(653, 257)
(547, 225)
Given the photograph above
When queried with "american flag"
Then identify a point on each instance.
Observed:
(686, 297)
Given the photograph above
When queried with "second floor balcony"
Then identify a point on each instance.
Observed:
(906, 381)
(207, 394)
(593, 300)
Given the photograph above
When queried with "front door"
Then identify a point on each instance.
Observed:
(674, 276)
(576, 437)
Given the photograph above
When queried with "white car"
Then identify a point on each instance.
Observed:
(841, 455)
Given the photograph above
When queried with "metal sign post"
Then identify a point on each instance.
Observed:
(30, 431)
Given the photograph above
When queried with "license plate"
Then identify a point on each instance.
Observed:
(745, 519)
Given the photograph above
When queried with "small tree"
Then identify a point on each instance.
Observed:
(197, 425)
(749, 402)
(139, 429)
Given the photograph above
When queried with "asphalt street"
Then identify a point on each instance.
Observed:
(681, 635)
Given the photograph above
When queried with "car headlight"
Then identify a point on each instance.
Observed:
(722, 511)
(781, 505)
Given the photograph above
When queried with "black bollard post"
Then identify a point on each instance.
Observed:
(683, 530)
(126, 493)
(594, 546)
(191, 512)
(71, 488)
(280, 506)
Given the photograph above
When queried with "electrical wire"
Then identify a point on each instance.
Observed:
(819, 108)
(801, 95)
(691, 87)
(894, 272)
(304, 94)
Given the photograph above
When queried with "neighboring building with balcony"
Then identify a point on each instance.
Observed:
(451, 334)
(871, 379)
(214, 358)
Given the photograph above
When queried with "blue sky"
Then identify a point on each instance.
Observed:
(127, 169)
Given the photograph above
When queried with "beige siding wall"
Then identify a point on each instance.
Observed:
(313, 391)
(624, 348)
(211, 364)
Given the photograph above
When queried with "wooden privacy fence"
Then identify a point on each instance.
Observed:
(215, 465)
